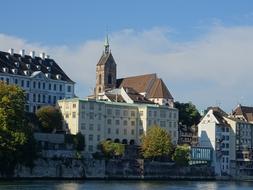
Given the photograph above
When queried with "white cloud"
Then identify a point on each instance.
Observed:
(216, 68)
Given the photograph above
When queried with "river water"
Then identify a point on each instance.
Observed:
(124, 185)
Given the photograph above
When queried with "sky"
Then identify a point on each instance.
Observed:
(202, 49)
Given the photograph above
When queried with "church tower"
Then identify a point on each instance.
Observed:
(106, 72)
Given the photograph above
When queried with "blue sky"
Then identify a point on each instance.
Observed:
(201, 48)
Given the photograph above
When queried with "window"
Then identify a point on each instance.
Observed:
(83, 114)
(34, 97)
(38, 97)
(60, 87)
(109, 79)
(49, 87)
(43, 86)
(98, 138)
(54, 99)
(27, 97)
(54, 87)
(91, 127)
(22, 83)
(91, 106)
(125, 122)
(162, 123)
(90, 137)
(125, 113)
(73, 114)
(90, 148)
(69, 88)
(155, 113)
(141, 113)
(16, 81)
(162, 114)
(132, 113)
(83, 106)
(67, 115)
(49, 99)
(140, 131)
(117, 131)
(91, 116)
(43, 98)
(39, 85)
(74, 105)
(99, 79)
(27, 84)
(99, 127)
(109, 121)
(132, 132)
(175, 115)
(149, 113)
(109, 111)
(117, 122)
(117, 112)
(109, 130)
(132, 123)
(125, 131)
(83, 127)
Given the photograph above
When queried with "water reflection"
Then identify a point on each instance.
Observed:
(124, 185)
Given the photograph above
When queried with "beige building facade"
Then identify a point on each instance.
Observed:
(120, 122)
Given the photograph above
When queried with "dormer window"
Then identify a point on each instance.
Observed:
(58, 76)
(38, 67)
(48, 75)
(49, 69)
(5, 69)
(17, 64)
(27, 73)
(14, 71)
(28, 66)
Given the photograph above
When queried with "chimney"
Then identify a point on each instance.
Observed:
(42, 55)
(11, 51)
(22, 53)
(32, 54)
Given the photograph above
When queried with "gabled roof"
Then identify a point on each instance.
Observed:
(139, 83)
(136, 97)
(9, 61)
(245, 111)
(106, 58)
(159, 90)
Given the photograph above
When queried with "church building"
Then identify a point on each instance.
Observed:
(146, 88)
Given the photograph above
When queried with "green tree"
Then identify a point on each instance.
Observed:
(156, 143)
(111, 149)
(17, 145)
(188, 114)
(181, 155)
(50, 118)
(79, 141)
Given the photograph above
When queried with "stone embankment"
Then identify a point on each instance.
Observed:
(69, 168)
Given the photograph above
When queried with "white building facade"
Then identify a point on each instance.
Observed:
(43, 81)
(120, 122)
(229, 137)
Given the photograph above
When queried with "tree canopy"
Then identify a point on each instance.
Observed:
(17, 145)
(181, 155)
(111, 149)
(156, 143)
(188, 113)
(50, 118)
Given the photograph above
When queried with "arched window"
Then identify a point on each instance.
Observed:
(109, 79)
(99, 79)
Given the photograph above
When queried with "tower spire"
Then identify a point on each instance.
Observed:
(106, 44)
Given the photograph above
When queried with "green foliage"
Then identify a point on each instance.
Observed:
(181, 155)
(111, 149)
(79, 142)
(17, 145)
(156, 143)
(50, 118)
(188, 114)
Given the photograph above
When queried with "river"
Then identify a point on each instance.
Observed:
(123, 185)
